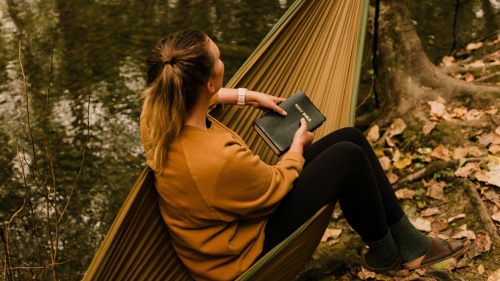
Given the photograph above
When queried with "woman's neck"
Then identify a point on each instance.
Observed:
(197, 116)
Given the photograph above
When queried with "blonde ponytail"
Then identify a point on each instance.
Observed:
(179, 66)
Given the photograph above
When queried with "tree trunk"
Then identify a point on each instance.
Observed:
(406, 78)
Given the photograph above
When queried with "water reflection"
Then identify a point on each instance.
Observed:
(84, 65)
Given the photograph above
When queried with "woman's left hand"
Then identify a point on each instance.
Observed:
(265, 102)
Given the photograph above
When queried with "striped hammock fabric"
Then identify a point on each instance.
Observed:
(316, 47)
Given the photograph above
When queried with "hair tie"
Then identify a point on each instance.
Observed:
(171, 62)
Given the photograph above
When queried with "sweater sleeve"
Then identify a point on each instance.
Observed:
(234, 181)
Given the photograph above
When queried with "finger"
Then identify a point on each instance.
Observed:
(279, 110)
(303, 123)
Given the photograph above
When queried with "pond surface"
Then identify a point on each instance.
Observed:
(83, 65)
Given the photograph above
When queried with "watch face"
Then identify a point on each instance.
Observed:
(241, 96)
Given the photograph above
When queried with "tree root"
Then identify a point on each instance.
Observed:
(484, 213)
(432, 168)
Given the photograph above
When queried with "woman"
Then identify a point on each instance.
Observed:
(225, 208)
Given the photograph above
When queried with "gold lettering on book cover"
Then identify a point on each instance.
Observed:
(303, 113)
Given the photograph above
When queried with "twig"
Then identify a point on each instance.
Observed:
(430, 170)
(382, 140)
(28, 119)
(8, 262)
(30, 204)
(484, 78)
(5, 236)
(48, 154)
(367, 96)
(81, 163)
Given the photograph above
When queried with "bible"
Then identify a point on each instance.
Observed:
(278, 131)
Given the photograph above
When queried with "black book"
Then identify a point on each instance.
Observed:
(278, 131)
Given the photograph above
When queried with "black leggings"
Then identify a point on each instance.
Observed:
(341, 166)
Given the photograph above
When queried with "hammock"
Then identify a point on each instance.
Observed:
(316, 47)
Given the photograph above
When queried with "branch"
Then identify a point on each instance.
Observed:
(430, 169)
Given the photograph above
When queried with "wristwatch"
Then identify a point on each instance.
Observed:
(241, 97)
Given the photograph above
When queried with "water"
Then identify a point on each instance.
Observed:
(84, 67)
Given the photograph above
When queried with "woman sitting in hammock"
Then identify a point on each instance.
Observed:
(225, 208)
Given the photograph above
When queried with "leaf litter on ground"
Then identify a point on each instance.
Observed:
(431, 220)
(479, 163)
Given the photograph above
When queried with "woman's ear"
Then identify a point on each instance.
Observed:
(210, 87)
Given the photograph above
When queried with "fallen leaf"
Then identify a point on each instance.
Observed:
(476, 151)
(497, 131)
(492, 110)
(460, 111)
(379, 151)
(493, 197)
(487, 138)
(421, 224)
(365, 274)
(441, 152)
(473, 114)
(331, 233)
(405, 193)
(469, 77)
(393, 178)
(439, 225)
(437, 109)
(459, 152)
(373, 134)
(435, 191)
(496, 216)
(469, 234)
(441, 100)
(493, 162)
(402, 163)
(489, 177)
(430, 212)
(428, 127)
(496, 138)
(481, 244)
(495, 276)
(396, 155)
(460, 216)
(480, 269)
(448, 264)
(434, 182)
(494, 148)
(474, 46)
(332, 242)
(390, 141)
(398, 126)
(385, 162)
(467, 170)
(448, 60)
(477, 63)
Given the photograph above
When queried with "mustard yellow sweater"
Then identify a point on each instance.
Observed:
(216, 196)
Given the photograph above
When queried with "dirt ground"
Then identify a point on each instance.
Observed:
(454, 186)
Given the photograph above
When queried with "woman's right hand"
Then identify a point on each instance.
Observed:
(302, 138)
